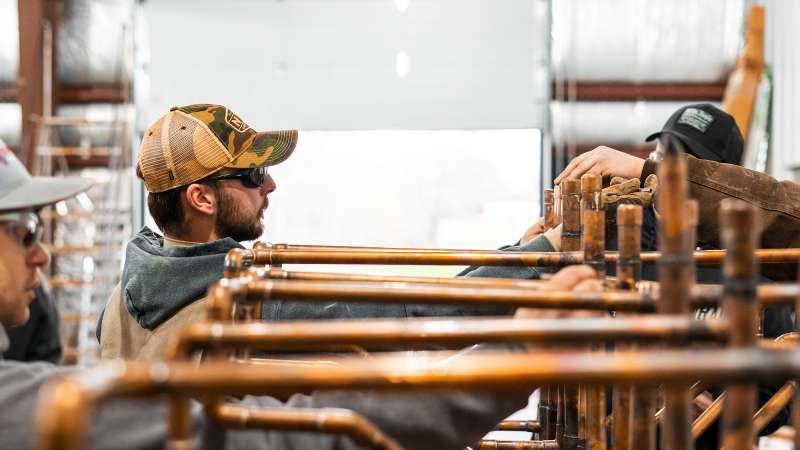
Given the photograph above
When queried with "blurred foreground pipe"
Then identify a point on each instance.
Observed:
(66, 403)
(740, 235)
(676, 279)
(328, 420)
(629, 272)
(314, 334)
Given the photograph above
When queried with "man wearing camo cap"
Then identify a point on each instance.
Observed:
(206, 173)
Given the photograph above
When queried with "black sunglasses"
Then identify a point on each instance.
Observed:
(26, 227)
(251, 178)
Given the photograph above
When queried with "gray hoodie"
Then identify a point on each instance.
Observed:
(158, 281)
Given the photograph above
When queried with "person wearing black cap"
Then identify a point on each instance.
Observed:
(706, 132)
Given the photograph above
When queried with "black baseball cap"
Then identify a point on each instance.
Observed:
(707, 132)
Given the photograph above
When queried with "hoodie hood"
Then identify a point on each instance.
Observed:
(159, 281)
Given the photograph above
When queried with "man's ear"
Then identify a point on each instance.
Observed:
(201, 199)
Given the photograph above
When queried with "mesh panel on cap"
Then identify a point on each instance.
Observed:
(185, 152)
(151, 160)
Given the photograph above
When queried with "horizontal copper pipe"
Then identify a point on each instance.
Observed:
(263, 255)
(280, 274)
(531, 426)
(328, 420)
(320, 291)
(516, 445)
(702, 294)
(405, 293)
(65, 403)
(305, 335)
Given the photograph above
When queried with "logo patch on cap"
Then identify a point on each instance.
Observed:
(697, 119)
(235, 122)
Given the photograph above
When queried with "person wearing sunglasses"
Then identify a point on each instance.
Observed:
(205, 171)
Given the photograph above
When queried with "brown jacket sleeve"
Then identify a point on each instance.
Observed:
(710, 182)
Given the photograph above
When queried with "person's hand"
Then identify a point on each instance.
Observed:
(572, 278)
(535, 230)
(603, 161)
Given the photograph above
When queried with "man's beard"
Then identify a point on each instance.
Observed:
(234, 223)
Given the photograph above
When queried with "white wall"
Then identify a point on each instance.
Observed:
(783, 56)
(444, 155)
(331, 64)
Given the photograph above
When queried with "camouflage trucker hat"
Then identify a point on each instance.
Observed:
(192, 142)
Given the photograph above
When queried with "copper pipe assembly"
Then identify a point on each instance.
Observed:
(66, 403)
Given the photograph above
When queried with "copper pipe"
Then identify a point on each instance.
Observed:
(428, 294)
(708, 416)
(275, 257)
(593, 246)
(593, 220)
(773, 406)
(64, 405)
(629, 234)
(571, 216)
(328, 420)
(549, 218)
(314, 334)
(622, 411)
(531, 426)
(543, 413)
(572, 426)
(560, 416)
(235, 261)
(557, 211)
(334, 276)
(486, 444)
(740, 234)
(629, 272)
(676, 279)
(643, 433)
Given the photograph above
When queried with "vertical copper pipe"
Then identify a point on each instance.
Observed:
(557, 215)
(572, 438)
(629, 272)
(582, 411)
(629, 235)
(552, 410)
(560, 409)
(549, 219)
(622, 414)
(544, 412)
(675, 281)
(643, 434)
(571, 216)
(593, 243)
(739, 234)
(593, 219)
